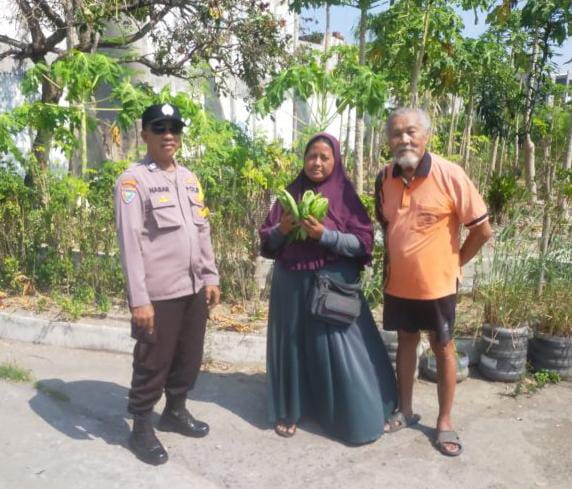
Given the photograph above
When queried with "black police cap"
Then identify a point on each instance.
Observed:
(161, 112)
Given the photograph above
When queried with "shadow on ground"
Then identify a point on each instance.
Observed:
(240, 393)
(89, 409)
(83, 410)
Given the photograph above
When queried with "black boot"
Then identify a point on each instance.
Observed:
(177, 418)
(143, 442)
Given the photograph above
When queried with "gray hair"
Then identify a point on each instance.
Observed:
(424, 118)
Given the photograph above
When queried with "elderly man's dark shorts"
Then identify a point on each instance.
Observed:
(414, 315)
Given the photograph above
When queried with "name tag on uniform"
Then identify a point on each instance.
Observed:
(158, 189)
(195, 187)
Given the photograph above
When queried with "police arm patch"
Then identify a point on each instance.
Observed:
(128, 194)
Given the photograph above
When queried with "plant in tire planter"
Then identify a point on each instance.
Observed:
(428, 365)
(468, 324)
(504, 335)
(551, 346)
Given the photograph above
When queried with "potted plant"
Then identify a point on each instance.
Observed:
(506, 289)
(551, 346)
(504, 335)
(468, 324)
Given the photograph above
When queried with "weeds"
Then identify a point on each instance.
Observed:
(532, 382)
(13, 373)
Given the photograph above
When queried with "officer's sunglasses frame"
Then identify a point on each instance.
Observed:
(161, 127)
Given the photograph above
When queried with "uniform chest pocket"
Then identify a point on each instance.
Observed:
(200, 212)
(166, 214)
(428, 217)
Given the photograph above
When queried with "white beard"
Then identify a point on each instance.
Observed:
(407, 160)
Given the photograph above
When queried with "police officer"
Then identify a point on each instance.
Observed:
(167, 257)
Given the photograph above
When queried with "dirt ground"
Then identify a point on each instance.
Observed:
(70, 432)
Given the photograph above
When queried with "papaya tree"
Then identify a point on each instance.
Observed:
(547, 25)
(349, 85)
(214, 39)
(414, 35)
(364, 7)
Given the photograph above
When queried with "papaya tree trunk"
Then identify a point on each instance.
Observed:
(42, 143)
(467, 154)
(515, 162)
(414, 95)
(530, 165)
(327, 32)
(360, 124)
(529, 147)
(295, 33)
(546, 225)
(452, 126)
(377, 150)
(548, 145)
(502, 155)
(370, 154)
(568, 158)
(463, 137)
(494, 169)
(358, 178)
(567, 165)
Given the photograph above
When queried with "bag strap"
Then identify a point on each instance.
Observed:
(357, 285)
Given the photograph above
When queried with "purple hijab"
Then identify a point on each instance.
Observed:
(346, 213)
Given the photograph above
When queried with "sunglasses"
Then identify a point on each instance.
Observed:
(162, 128)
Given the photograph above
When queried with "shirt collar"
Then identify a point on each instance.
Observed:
(422, 170)
(152, 166)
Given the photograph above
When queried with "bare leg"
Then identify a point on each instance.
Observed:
(446, 383)
(406, 363)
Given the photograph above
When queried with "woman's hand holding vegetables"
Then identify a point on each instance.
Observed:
(313, 227)
(287, 223)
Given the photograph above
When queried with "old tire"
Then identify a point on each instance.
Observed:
(504, 352)
(428, 366)
(551, 353)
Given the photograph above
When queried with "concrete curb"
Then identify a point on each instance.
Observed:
(220, 346)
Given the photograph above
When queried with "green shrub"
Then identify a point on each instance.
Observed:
(502, 190)
(14, 373)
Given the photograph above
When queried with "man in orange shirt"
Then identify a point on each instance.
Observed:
(421, 201)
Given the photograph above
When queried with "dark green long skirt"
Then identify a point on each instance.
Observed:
(340, 376)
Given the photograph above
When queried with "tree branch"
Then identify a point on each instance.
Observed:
(33, 24)
(13, 42)
(50, 14)
(142, 32)
(52, 41)
(10, 52)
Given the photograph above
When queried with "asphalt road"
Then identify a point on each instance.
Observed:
(71, 433)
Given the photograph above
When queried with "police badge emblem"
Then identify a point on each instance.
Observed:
(127, 195)
(167, 110)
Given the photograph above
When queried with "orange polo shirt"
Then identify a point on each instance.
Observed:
(423, 227)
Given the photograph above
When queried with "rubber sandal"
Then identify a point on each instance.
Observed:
(444, 437)
(283, 429)
(397, 421)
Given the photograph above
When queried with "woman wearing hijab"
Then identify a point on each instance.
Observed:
(340, 376)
